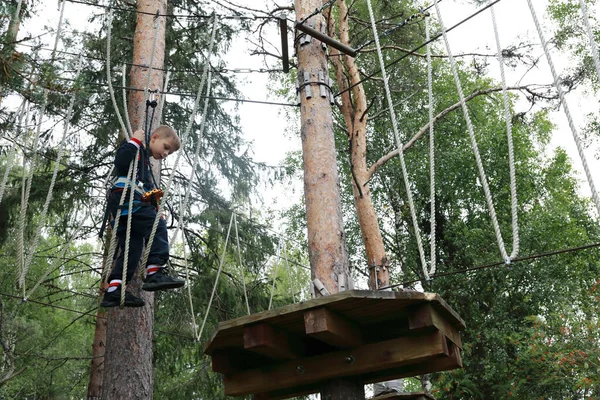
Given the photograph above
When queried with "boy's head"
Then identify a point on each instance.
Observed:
(163, 142)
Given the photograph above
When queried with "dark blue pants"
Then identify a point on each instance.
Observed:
(141, 227)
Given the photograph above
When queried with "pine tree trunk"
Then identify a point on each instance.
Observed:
(128, 359)
(8, 49)
(354, 110)
(326, 238)
(98, 348)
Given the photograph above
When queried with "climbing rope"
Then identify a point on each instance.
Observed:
(28, 180)
(398, 143)
(61, 149)
(242, 276)
(432, 238)
(124, 131)
(185, 264)
(12, 152)
(511, 152)
(482, 176)
(125, 107)
(161, 102)
(563, 101)
(178, 157)
(212, 295)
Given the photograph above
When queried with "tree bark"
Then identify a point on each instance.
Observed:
(98, 348)
(8, 49)
(128, 359)
(354, 109)
(326, 237)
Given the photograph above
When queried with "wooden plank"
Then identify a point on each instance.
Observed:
(272, 342)
(425, 317)
(343, 363)
(405, 396)
(332, 329)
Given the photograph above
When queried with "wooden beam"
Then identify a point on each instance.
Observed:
(326, 39)
(332, 329)
(426, 318)
(272, 342)
(340, 364)
(284, 44)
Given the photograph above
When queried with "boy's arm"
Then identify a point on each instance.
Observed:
(127, 151)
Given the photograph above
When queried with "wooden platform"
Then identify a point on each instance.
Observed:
(370, 336)
(405, 396)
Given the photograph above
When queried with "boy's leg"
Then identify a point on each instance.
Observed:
(113, 296)
(156, 277)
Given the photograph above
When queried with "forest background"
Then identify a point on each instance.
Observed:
(532, 329)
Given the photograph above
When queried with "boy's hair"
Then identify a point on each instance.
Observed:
(165, 131)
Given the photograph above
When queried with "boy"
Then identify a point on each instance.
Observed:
(163, 142)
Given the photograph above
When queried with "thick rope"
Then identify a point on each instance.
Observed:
(432, 241)
(163, 200)
(29, 179)
(124, 132)
(129, 218)
(511, 153)
(277, 261)
(398, 143)
(113, 236)
(125, 107)
(242, 276)
(212, 295)
(590, 33)
(482, 176)
(12, 152)
(61, 150)
(563, 101)
(205, 78)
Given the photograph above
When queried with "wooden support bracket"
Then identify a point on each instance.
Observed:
(326, 39)
(270, 341)
(332, 329)
(425, 317)
(344, 363)
(284, 44)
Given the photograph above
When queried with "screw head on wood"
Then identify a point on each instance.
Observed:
(349, 359)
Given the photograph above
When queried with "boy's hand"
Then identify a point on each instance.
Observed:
(140, 135)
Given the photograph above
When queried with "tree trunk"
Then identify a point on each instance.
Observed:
(98, 348)
(355, 117)
(128, 360)
(326, 238)
(8, 49)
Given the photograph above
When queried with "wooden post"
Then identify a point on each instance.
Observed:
(128, 358)
(326, 238)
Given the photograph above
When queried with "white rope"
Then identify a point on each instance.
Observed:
(398, 143)
(163, 200)
(563, 101)
(511, 153)
(482, 176)
(124, 132)
(432, 238)
(187, 273)
(61, 150)
(12, 152)
(289, 270)
(205, 74)
(242, 269)
(212, 295)
(125, 107)
(29, 179)
(590, 33)
(113, 236)
(129, 219)
(277, 261)
(161, 103)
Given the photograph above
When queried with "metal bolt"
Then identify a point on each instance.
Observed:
(349, 359)
(300, 369)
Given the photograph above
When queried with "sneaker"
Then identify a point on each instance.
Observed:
(161, 281)
(113, 299)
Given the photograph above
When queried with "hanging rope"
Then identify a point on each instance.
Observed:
(29, 179)
(187, 272)
(12, 152)
(124, 131)
(590, 33)
(511, 152)
(212, 295)
(125, 107)
(242, 276)
(398, 143)
(61, 149)
(163, 200)
(482, 176)
(563, 101)
(432, 241)
(161, 102)
(277, 261)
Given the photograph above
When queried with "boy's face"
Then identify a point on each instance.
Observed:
(161, 147)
